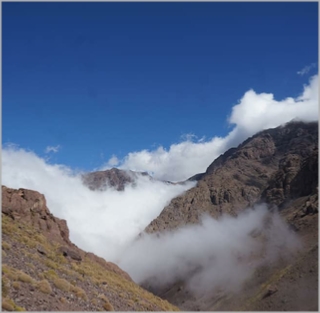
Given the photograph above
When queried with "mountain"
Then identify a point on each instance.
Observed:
(276, 166)
(115, 178)
(42, 270)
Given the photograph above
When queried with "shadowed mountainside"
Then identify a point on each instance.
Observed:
(279, 167)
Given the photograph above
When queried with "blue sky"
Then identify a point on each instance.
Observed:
(99, 79)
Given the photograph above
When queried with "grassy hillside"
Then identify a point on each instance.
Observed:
(36, 276)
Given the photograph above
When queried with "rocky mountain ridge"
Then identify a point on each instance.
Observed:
(273, 166)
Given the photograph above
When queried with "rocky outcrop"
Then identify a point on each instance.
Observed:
(274, 166)
(28, 206)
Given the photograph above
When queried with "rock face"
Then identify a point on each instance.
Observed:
(276, 166)
(30, 207)
(42, 270)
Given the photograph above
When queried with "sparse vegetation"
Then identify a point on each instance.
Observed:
(51, 264)
(79, 292)
(62, 284)
(63, 300)
(108, 306)
(4, 286)
(50, 274)
(9, 305)
(16, 285)
(5, 246)
(46, 271)
(44, 286)
(24, 277)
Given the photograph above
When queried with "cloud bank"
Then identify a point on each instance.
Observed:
(253, 113)
(100, 222)
(220, 253)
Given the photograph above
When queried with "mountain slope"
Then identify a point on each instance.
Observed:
(43, 271)
(276, 166)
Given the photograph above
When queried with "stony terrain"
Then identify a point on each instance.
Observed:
(276, 166)
(43, 271)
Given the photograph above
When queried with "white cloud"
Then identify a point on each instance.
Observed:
(108, 222)
(253, 113)
(101, 222)
(223, 251)
(113, 161)
(307, 69)
(53, 149)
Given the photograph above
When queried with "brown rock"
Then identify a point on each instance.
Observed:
(273, 166)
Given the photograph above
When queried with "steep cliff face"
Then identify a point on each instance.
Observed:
(42, 270)
(274, 166)
(278, 167)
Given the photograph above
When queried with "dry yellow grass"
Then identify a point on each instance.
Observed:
(79, 292)
(62, 284)
(102, 297)
(9, 272)
(6, 305)
(5, 246)
(108, 306)
(9, 305)
(4, 286)
(51, 264)
(50, 274)
(16, 285)
(44, 286)
(25, 278)
(63, 300)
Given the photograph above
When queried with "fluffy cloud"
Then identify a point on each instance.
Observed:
(100, 222)
(253, 113)
(53, 149)
(220, 253)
